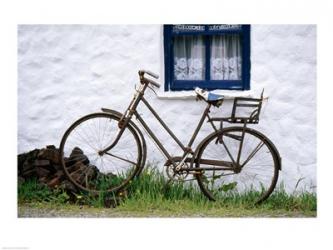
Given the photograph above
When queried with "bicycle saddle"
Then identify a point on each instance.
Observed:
(209, 97)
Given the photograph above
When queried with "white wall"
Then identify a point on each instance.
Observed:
(67, 71)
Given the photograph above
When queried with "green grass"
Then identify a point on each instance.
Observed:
(151, 195)
(32, 191)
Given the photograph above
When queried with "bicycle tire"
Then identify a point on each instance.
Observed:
(96, 174)
(227, 181)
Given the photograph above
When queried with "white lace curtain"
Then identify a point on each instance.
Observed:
(225, 58)
(189, 58)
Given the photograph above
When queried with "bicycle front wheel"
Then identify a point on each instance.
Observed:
(253, 175)
(81, 157)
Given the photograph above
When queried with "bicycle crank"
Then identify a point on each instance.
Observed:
(177, 173)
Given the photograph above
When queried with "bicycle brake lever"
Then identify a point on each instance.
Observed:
(152, 89)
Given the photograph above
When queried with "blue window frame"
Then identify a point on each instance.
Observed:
(206, 33)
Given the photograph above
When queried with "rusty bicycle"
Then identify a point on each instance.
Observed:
(104, 151)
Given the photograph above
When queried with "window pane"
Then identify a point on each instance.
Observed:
(226, 58)
(189, 58)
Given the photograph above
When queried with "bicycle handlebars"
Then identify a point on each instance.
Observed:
(156, 76)
(147, 80)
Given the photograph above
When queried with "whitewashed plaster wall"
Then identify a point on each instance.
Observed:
(66, 71)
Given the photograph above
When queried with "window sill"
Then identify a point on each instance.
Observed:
(190, 95)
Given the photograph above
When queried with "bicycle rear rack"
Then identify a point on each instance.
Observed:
(250, 106)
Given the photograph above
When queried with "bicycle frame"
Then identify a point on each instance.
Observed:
(217, 156)
(187, 150)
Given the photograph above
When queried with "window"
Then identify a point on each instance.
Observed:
(208, 56)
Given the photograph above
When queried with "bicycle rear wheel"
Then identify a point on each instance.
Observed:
(91, 171)
(255, 176)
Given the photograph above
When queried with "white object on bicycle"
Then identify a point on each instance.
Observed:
(208, 96)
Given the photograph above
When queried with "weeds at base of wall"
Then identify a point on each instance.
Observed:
(150, 192)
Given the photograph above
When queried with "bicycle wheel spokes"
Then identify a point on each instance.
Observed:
(90, 170)
(256, 174)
